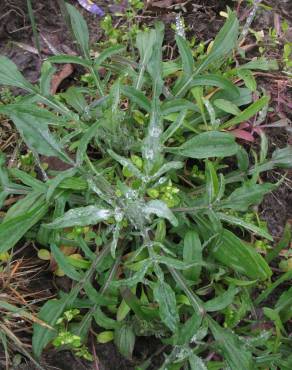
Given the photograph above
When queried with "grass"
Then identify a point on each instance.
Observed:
(153, 221)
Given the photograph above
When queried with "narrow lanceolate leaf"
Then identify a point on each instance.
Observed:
(79, 28)
(75, 98)
(107, 53)
(13, 230)
(135, 279)
(280, 158)
(28, 180)
(244, 97)
(169, 166)
(4, 179)
(81, 216)
(196, 362)
(189, 329)
(98, 298)
(68, 269)
(178, 105)
(103, 321)
(32, 109)
(283, 243)
(151, 148)
(49, 313)
(56, 181)
(30, 201)
(137, 97)
(135, 304)
(164, 295)
(160, 209)
(10, 75)
(222, 301)
(284, 305)
(145, 42)
(89, 134)
(241, 257)
(207, 80)
(185, 52)
(206, 145)
(247, 113)
(170, 67)
(248, 78)
(70, 59)
(124, 338)
(36, 134)
(224, 42)
(242, 198)
(227, 106)
(232, 220)
(262, 64)
(171, 129)
(192, 252)
(177, 264)
(233, 351)
(47, 73)
(154, 65)
(212, 182)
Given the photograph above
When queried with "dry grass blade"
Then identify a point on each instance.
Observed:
(19, 345)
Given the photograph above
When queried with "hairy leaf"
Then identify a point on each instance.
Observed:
(79, 28)
(207, 145)
(70, 59)
(185, 52)
(49, 313)
(227, 106)
(64, 265)
(224, 42)
(248, 112)
(10, 75)
(124, 338)
(160, 209)
(107, 53)
(192, 252)
(241, 257)
(164, 295)
(82, 216)
(247, 195)
(246, 225)
(234, 352)
(222, 301)
(12, 230)
(37, 136)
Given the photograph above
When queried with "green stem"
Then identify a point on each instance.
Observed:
(33, 26)
(97, 81)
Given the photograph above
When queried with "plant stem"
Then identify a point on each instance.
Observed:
(34, 27)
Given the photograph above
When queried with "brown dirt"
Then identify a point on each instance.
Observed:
(276, 208)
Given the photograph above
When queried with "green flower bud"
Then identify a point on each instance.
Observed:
(138, 162)
(105, 336)
(153, 193)
(127, 172)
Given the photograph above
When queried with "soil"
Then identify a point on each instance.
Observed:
(203, 21)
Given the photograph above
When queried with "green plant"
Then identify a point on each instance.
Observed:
(163, 257)
(287, 53)
(67, 338)
(127, 29)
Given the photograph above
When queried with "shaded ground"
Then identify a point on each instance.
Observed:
(203, 21)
